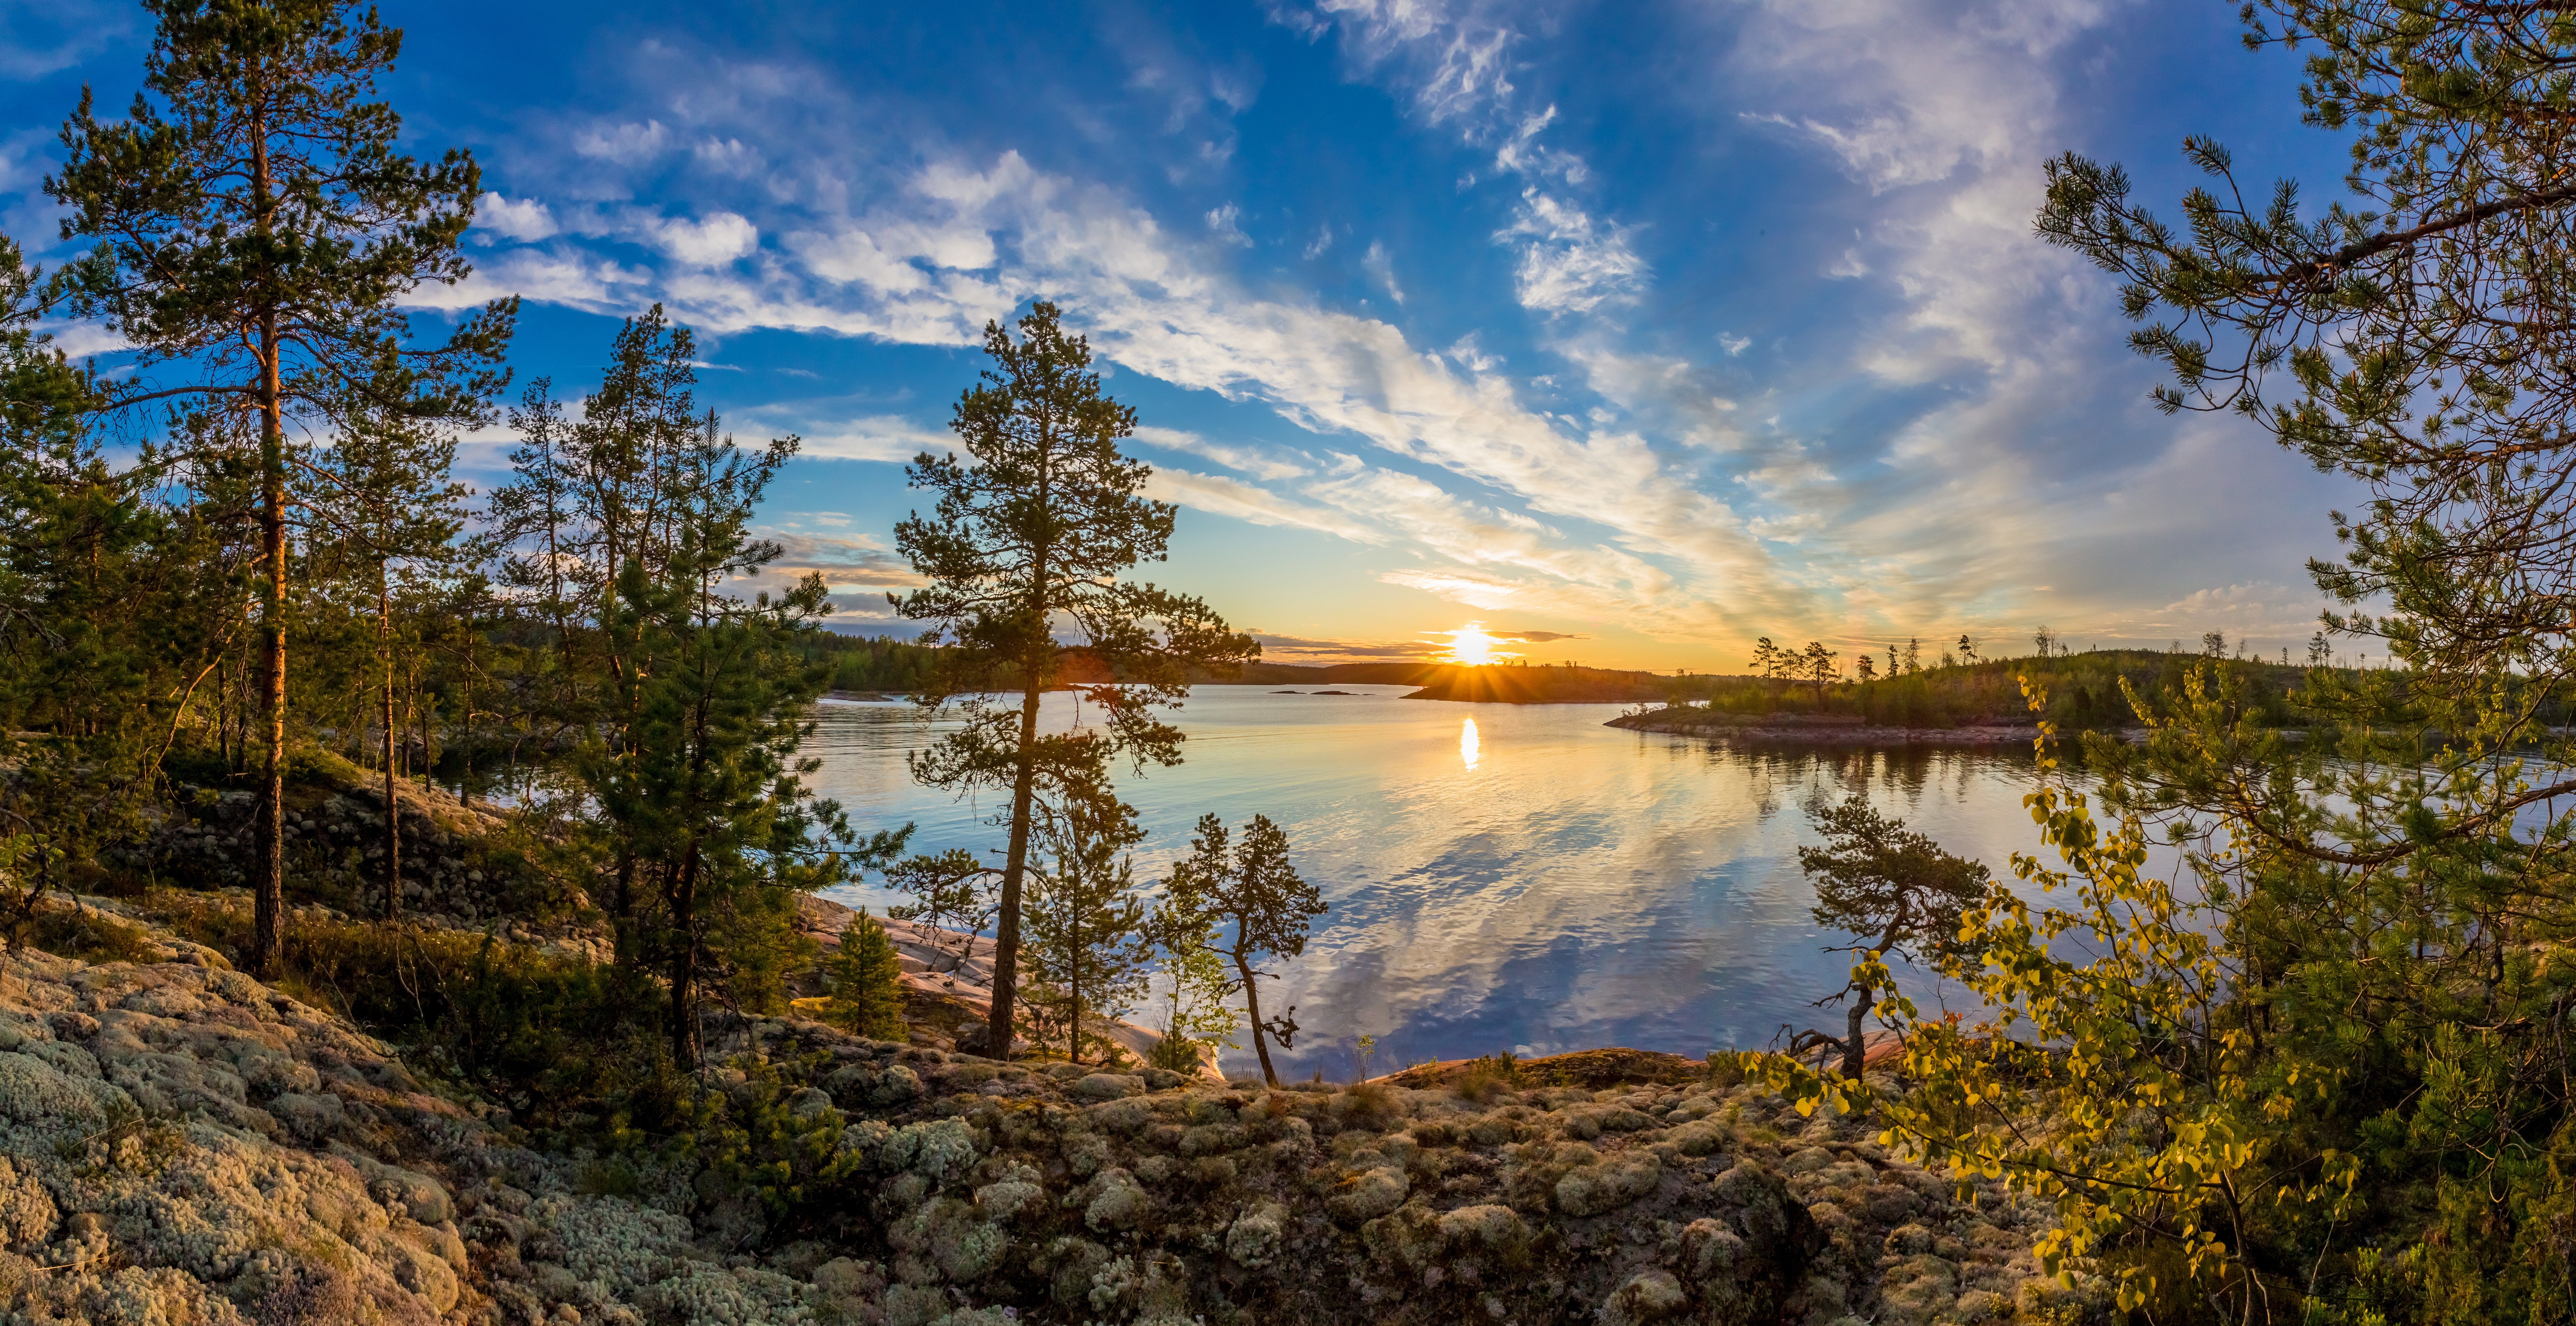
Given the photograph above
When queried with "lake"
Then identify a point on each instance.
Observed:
(1501, 877)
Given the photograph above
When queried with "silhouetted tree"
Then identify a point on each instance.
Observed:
(1028, 538)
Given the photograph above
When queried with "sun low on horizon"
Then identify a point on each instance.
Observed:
(1470, 646)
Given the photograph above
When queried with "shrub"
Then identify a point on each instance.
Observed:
(1489, 1077)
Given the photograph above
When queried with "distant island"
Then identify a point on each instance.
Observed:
(1959, 704)
(1493, 683)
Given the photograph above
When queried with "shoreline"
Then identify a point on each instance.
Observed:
(1792, 731)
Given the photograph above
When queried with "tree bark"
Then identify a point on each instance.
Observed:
(269, 881)
(393, 808)
(1852, 1048)
(683, 1023)
(1006, 923)
(1252, 1005)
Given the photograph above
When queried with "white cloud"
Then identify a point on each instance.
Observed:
(730, 156)
(1218, 495)
(1626, 484)
(711, 241)
(523, 219)
(1221, 222)
(874, 437)
(1259, 462)
(1381, 269)
(622, 144)
(1472, 357)
(1455, 58)
(1570, 263)
(80, 340)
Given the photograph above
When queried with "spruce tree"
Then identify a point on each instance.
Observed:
(1028, 539)
(256, 229)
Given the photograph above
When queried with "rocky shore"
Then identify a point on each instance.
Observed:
(180, 1144)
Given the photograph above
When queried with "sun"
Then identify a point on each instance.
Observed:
(1470, 646)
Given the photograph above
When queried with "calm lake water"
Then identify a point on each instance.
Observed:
(1501, 877)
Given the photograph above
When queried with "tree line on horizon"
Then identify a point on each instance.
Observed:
(2089, 690)
(247, 566)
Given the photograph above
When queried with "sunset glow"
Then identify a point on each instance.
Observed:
(1469, 646)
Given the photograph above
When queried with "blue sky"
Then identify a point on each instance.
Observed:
(1654, 326)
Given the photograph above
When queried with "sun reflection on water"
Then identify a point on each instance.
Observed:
(1467, 744)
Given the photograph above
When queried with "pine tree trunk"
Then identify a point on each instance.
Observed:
(1252, 1005)
(269, 878)
(1006, 925)
(683, 1025)
(1852, 1047)
(393, 810)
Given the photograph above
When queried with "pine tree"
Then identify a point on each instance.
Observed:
(704, 802)
(1253, 890)
(1027, 538)
(1815, 665)
(257, 229)
(91, 646)
(1083, 937)
(386, 525)
(587, 496)
(1894, 887)
(867, 981)
(1194, 983)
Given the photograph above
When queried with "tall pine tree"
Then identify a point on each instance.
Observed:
(1029, 538)
(256, 226)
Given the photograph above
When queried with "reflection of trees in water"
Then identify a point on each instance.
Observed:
(1776, 777)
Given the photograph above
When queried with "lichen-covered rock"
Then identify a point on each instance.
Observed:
(1253, 1239)
(1108, 1086)
(1117, 1202)
(700, 1294)
(27, 1211)
(1711, 1253)
(1595, 1189)
(938, 1150)
(181, 1143)
(1368, 1195)
(1003, 1200)
(1485, 1228)
(1647, 1296)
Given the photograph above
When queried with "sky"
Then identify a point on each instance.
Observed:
(1631, 331)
